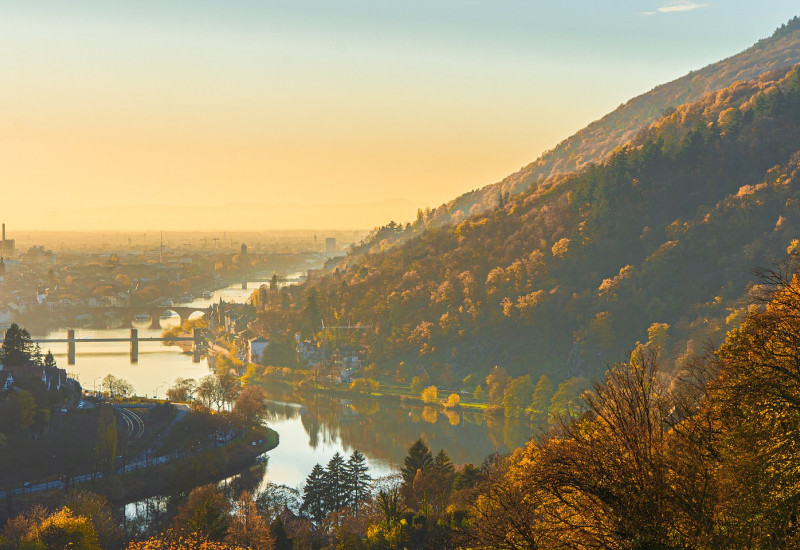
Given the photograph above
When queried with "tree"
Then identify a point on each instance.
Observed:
(566, 397)
(247, 528)
(205, 512)
(313, 495)
(17, 346)
(64, 530)
(453, 401)
(106, 443)
(516, 396)
(49, 360)
(181, 390)
(335, 495)
(117, 387)
(208, 391)
(542, 394)
(250, 407)
(416, 384)
(17, 412)
(229, 388)
(418, 458)
(440, 481)
(430, 394)
(97, 509)
(357, 479)
(496, 383)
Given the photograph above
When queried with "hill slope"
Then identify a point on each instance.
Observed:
(657, 242)
(600, 138)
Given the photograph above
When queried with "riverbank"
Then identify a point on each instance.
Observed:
(162, 475)
(185, 472)
(390, 394)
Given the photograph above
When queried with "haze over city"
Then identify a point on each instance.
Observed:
(285, 115)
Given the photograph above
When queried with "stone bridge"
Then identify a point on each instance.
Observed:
(154, 312)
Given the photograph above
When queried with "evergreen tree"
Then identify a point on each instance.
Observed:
(17, 346)
(49, 360)
(36, 356)
(442, 464)
(282, 540)
(335, 495)
(418, 458)
(313, 495)
(357, 479)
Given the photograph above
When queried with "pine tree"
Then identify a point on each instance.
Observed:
(36, 356)
(17, 346)
(357, 479)
(49, 360)
(442, 464)
(313, 495)
(335, 496)
(418, 458)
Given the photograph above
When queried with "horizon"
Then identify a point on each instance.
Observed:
(348, 116)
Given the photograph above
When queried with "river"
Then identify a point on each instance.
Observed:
(312, 427)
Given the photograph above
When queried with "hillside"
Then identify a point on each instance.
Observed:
(601, 137)
(658, 242)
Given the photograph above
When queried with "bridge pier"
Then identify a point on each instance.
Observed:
(70, 346)
(134, 345)
(155, 322)
(244, 285)
(196, 345)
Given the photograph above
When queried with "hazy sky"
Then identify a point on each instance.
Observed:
(317, 113)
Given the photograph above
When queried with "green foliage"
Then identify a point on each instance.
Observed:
(516, 396)
(106, 442)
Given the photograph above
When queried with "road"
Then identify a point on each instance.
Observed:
(135, 427)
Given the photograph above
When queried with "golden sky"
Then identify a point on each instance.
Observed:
(310, 114)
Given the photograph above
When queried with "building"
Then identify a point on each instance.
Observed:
(256, 348)
(308, 352)
(330, 245)
(346, 362)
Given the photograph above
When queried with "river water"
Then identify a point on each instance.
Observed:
(312, 427)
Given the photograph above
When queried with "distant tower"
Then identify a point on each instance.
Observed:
(3, 254)
(161, 250)
(330, 245)
(244, 249)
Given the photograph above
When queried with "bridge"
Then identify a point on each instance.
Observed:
(198, 343)
(154, 312)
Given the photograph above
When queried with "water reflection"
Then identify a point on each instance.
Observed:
(382, 430)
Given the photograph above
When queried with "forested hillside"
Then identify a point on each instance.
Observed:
(595, 142)
(657, 243)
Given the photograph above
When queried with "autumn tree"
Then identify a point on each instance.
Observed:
(250, 406)
(430, 394)
(247, 528)
(496, 383)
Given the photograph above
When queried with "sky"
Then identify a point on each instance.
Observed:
(315, 114)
